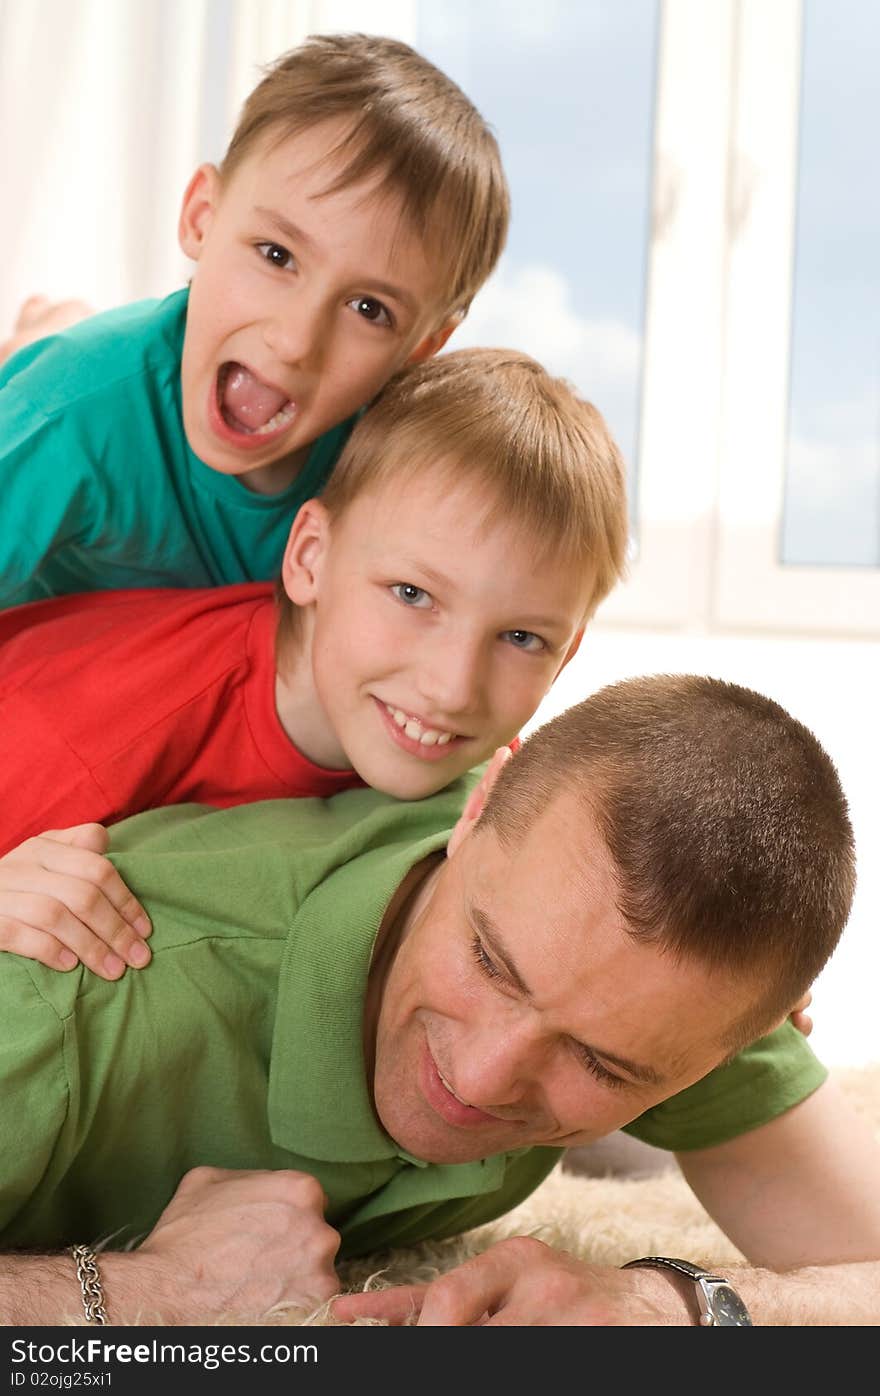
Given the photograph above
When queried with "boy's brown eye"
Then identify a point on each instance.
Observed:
(371, 310)
(275, 254)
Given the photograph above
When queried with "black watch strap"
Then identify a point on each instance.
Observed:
(719, 1304)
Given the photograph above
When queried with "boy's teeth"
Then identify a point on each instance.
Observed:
(426, 736)
(286, 414)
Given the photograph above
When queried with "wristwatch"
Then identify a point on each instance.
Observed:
(720, 1305)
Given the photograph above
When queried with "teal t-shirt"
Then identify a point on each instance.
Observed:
(99, 486)
(240, 1045)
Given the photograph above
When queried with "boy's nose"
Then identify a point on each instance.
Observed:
(298, 336)
(452, 673)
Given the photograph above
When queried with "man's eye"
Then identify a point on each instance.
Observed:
(411, 595)
(275, 254)
(595, 1067)
(372, 310)
(525, 640)
(487, 965)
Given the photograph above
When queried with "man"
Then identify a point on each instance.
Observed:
(366, 1027)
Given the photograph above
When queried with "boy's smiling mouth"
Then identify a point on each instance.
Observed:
(248, 408)
(416, 736)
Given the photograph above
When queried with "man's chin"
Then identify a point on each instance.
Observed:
(449, 1150)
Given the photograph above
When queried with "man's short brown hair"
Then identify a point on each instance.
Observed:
(408, 122)
(724, 816)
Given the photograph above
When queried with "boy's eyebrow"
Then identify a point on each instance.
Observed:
(489, 933)
(295, 234)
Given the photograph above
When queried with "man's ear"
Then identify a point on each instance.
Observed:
(306, 545)
(197, 211)
(477, 799)
(433, 342)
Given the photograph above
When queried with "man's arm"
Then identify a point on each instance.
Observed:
(796, 1195)
(801, 1190)
(523, 1282)
(229, 1245)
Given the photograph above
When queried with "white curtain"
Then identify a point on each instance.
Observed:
(107, 107)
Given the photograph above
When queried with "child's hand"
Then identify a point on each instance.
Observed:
(62, 901)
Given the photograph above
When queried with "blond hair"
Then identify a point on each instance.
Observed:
(531, 449)
(405, 120)
(724, 817)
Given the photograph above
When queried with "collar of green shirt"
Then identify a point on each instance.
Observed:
(317, 1050)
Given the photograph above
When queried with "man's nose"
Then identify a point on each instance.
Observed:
(501, 1066)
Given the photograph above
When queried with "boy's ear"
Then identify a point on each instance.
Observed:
(306, 545)
(570, 652)
(197, 211)
(477, 799)
(433, 342)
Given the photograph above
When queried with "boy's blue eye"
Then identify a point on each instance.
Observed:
(411, 595)
(372, 310)
(525, 640)
(275, 254)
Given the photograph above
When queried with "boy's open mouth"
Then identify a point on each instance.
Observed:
(250, 406)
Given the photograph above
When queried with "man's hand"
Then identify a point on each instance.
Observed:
(523, 1282)
(230, 1244)
(39, 316)
(62, 901)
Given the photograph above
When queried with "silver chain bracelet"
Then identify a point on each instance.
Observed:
(90, 1283)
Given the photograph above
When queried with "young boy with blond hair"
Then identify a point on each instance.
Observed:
(426, 603)
(359, 207)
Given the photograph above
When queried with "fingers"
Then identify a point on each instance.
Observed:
(246, 1242)
(397, 1305)
(466, 1294)
(91, 836)
(461, 1298)
(62, 902)
(286, 1184)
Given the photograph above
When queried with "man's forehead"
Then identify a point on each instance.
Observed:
(558, 830)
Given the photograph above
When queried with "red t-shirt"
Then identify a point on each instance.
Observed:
(117, 702)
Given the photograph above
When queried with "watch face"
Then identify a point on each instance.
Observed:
(728, 1309)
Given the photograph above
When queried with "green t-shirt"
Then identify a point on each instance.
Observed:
(240, 1044)
(99, 486)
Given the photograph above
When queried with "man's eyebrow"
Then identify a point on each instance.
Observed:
(645, 1075)
(297, 235)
